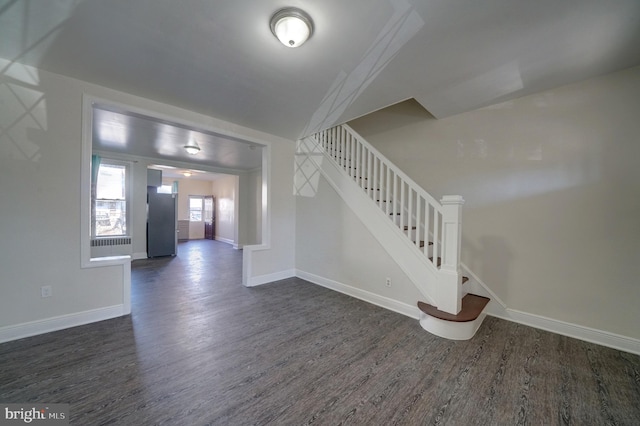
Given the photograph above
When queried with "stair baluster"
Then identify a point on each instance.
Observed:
(432, 226)
(382, 182)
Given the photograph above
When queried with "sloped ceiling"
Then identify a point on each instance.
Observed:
(219, 57)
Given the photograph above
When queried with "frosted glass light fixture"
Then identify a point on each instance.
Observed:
(192, 147)
(291, 26)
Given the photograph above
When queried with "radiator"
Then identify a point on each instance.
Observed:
(115, 241)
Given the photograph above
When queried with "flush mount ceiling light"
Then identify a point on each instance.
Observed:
(192, 147)
(291, 26)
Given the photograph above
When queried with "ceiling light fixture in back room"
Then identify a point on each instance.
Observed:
(291, 26)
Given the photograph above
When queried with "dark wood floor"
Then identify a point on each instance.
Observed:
(201, 349)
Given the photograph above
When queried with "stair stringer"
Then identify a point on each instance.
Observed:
(412, 262)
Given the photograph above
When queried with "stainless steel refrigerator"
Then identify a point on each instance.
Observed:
(162, 235)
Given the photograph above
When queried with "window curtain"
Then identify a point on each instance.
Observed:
(95, 168)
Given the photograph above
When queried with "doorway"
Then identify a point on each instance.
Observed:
(209, 217)
(144, 137)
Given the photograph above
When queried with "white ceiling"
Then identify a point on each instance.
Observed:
(170, 172)
(133, 134)
(219, 57)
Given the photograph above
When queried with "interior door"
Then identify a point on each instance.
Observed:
(209, 217)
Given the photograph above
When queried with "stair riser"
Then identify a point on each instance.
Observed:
(449, 329)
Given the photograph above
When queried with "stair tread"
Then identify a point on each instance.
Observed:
(422, 243)
(472, 306)
(464, 279)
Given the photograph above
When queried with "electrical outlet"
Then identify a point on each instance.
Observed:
(388, 282)
(46, 291)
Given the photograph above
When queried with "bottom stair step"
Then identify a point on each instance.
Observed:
(472, 306)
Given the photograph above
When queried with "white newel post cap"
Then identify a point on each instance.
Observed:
(452, 199)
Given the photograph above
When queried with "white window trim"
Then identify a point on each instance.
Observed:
(201, 197)
(128, 191)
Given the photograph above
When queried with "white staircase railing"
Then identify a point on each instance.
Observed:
(434, 228)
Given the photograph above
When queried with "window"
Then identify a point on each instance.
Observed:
(110, 202)
(165, 189)
(195, 208)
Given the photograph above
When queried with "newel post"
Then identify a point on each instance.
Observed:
(451, 296)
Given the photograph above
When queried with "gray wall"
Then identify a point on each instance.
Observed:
(40, 215)
(552, 188)
(332, 243)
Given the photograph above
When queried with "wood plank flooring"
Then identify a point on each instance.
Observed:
(200, 349)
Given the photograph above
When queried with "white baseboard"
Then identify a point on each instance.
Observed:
(599, 337)
(497, 309)
(225, 240)
(268, 278)
(367, 296)
(138, 256)
(28, 329)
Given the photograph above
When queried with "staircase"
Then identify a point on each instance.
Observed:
(421, 234)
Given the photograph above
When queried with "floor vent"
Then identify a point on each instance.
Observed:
(119, 241)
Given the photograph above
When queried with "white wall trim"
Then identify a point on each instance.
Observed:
(247, 254)
(225, 240)
(85, 181)
(125, 263)
(592, 335)
(269, 278)
(364, 295)
(236, 212)
(140, 255)
(497, 308)
(230, 242)
(28, 329)
(247, 263)
(175, 115)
